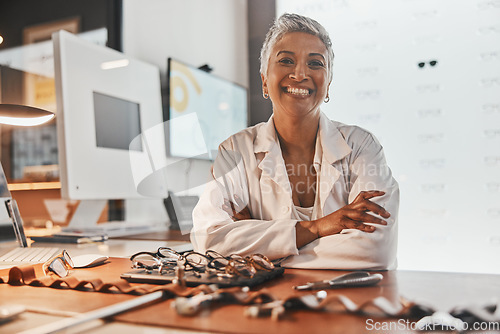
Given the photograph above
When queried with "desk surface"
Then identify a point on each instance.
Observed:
(441, 290)
(114, 247)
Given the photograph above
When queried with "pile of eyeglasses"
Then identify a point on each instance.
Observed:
(211, 264)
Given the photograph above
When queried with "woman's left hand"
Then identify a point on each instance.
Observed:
(236, 209)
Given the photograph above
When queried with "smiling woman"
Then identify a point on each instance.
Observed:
(314, 192)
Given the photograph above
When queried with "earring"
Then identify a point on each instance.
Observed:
(327, 99)
(266, 96)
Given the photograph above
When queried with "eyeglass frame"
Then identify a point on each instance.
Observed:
(432, 63)
(235, 260)
(158, 253)
(62, 258)
(162, 262)
(160, 259)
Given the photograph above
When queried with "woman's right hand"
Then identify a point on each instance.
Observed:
(236, 209)
(352, 216)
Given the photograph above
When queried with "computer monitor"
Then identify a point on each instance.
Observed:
(220, 106)
(6, 231)
(109, 126)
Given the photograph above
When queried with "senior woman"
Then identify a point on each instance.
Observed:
(301, 188)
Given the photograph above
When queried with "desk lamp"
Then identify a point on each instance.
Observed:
(15, 114)
(19, 115)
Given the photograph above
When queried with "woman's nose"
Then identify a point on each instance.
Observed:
(299, 73)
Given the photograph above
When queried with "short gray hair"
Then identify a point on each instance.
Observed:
(287, 23)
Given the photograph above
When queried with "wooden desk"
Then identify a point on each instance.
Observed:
(442, 290)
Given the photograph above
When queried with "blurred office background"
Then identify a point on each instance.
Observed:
(423, 76)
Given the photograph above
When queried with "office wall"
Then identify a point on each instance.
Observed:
(439, 125)
(197, 32)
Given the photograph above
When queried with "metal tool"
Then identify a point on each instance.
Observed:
(354, 279)
(97, 314)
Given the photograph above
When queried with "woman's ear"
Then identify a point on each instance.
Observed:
(327, 97)
(264, 84)
(265, 91)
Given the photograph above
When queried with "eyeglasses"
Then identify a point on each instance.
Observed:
(164, 258)
(431, 63)
(428, 88)
(425, 113)
(59, 265)
(491, 108)
(492, 160)
(196, 261)
(489, 4)
(489, 30)
(260, 262)
(237, 265)
(368, 94)
(490, 82)
(211, 263)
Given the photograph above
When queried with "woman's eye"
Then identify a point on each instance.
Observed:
(316, 63)
(286, 61)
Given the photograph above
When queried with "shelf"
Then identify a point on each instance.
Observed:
(35, 186)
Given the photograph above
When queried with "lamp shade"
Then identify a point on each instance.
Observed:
(16, 114)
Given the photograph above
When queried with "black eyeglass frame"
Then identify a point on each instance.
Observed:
(432, 63)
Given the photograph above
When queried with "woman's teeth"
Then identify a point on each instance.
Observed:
(298, 91)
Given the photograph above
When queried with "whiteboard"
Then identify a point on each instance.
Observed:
(439, 125)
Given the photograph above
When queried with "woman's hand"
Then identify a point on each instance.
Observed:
(352, 216)
(236, 209)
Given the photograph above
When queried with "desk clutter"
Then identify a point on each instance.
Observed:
(190, 297)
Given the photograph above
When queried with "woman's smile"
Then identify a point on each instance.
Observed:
(297, 91)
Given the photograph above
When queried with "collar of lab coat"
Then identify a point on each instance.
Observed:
(334, 148)
(333, 143)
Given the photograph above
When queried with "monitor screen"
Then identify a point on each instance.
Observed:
(109, 122)
(203, 111)
(120, 115)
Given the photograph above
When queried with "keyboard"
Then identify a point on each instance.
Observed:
(28, 255)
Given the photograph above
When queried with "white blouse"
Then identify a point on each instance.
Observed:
(304, 213)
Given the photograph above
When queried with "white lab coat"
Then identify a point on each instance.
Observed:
(250, 164)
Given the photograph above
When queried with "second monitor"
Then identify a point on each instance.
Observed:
(217, 106)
